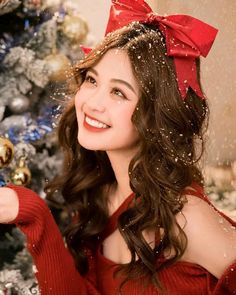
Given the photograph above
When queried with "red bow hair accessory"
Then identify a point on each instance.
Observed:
(186, 37)
(86, 50)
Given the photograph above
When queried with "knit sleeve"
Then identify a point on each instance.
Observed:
(227, 283)
(55, 269)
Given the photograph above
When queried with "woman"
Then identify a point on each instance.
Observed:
(141, 222)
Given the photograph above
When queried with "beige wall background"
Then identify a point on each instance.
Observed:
(218, 69)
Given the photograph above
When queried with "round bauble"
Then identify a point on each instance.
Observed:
(19, 104)
(6, 152)
(58, 66)
(21, 175)
(74, 28)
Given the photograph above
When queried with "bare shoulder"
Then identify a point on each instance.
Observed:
(211, 238)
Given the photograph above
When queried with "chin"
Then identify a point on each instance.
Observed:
(89, 145)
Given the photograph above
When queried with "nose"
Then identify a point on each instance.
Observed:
(96, 101)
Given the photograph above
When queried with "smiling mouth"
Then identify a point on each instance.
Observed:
(95, 123)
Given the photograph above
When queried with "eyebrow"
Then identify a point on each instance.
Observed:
(114, 80)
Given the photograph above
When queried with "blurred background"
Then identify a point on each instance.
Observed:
(39, 43)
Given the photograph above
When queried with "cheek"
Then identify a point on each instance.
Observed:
(79, 102)
(78, 106)
(126, 115)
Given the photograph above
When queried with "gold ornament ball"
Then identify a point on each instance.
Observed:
(21, 176)
(74, 28)
(6, 152)
(58, 66)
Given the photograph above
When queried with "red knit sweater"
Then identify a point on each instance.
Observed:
(57, 275)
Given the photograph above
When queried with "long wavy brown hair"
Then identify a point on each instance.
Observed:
(164, 166)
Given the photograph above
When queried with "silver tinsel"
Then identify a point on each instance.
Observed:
(2, 110)
(47, 35)
(7, 6)
(38, 73)
(23, 61)
(23, 71)
(25, 149)
(49, 165)
(13, 121)
(23, 84)
(19, 59)
(17, 276)
(12, 280)
(8, 88)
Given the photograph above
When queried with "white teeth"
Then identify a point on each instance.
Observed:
(95, 123)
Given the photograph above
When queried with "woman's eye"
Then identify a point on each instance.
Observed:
(119, 93)
(90, 79)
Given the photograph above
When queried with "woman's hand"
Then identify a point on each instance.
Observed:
(9, 205)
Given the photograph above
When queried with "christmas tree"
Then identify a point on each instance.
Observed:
(39, 43)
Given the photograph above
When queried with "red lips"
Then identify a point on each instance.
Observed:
(93, 128)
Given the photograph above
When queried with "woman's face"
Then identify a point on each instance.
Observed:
(105, 103)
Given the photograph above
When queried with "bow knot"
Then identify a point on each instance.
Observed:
(152, 17)
(186, 37)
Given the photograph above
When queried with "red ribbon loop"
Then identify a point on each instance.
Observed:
(86, 50)
(186, 37)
